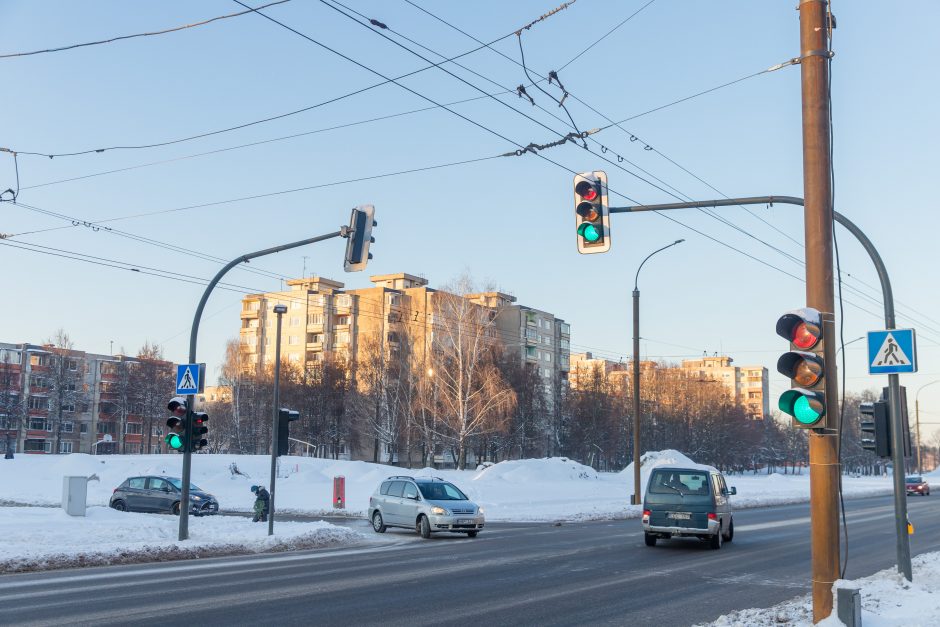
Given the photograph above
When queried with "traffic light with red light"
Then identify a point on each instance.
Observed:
(198, 438)
(359, 236)
(591, 212)
(176, 424)
(805, 366)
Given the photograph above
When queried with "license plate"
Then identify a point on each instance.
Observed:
(465, 521)
(679, 515)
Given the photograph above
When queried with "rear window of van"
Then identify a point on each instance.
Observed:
(679, 482)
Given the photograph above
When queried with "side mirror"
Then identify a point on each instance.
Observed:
(732, 490)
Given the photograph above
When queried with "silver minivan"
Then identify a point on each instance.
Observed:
(425, 504)
(688, 502)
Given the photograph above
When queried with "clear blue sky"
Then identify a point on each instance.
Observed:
(505, 220)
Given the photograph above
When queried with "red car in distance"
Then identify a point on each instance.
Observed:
(917, 485)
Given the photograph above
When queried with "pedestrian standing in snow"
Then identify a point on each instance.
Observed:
(262, 503)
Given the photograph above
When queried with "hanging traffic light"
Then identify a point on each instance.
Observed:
(875, 430)
(805, 366)
(284, 418)
(359, 236)
(591, 213)
(198, 437)
(176, 424)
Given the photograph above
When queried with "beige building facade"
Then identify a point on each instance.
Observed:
(749, 386)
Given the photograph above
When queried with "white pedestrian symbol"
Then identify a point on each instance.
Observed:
(187, 383)
(890, 354)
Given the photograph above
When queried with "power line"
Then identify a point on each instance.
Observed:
(150, 34)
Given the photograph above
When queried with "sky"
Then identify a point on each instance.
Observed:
(505, 220)
(508, 491)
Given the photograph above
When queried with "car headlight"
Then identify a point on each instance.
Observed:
(439, 511)
(196, 498)
(480, 510)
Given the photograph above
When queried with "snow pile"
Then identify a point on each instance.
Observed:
(888, 600)
(527, 470)
(39, 538)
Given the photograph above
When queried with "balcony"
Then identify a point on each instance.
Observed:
(531, 336)
(250, 314)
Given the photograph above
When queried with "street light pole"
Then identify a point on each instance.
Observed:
(636, 376)
(920, 468)
(280, 310)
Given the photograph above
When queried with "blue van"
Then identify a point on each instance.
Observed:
(688, 502)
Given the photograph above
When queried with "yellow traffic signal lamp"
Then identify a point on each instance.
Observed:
(805, 366)
(592, 215)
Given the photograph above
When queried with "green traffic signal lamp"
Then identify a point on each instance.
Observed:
(806, 406)
(591, 213)
(174, 441)
(175, 424)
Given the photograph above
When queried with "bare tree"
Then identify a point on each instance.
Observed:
(470, 394)
(64, 381)
(152, 380)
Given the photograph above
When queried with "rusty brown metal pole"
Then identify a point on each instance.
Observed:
(817, 193)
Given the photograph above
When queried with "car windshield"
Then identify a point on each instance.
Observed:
(914, 479)
(679, 481)
(441, 492)
(178, 484)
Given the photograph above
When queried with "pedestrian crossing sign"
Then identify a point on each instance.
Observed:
(892, 351)
(189, 378)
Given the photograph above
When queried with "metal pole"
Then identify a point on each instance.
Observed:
(636, 375)
(187, 453)
(279, 310)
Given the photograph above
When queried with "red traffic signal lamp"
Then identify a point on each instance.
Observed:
(591, 212)
(198, 439)
(176, 424)
(805, 366)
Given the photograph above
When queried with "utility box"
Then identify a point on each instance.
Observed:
(74, 495)
(339, 492)
(849, 605)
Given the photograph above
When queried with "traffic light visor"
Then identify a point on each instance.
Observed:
(805, 406)
(804, 368)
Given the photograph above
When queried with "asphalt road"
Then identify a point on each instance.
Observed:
(597, 573)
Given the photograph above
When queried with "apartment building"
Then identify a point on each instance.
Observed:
(748, 386)
(55, 400)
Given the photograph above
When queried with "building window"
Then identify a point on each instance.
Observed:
(72, 364)
(254, 305)
(316, 318)
(293, 340)
(6, 422)
(547, 356)
(37, 446)
(531, 352)
(293, 357)
(314, 356)
(318, 300)
(564, 345)
(106, 427)
(134, 428)
(342, 320)
(83, 428)
(69, 407)
(65, 446)
(314, 338)
(546, 372)
(296, 304)
(68, 426)
(343, 300)
(342, 337)
(295, 321)
(38, 402)
(36, 381)
(39, 360)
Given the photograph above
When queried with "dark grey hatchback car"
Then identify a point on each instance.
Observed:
(160, 494)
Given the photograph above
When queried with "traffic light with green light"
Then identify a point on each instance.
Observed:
(591, 213)
(805, 366)
(176, 424)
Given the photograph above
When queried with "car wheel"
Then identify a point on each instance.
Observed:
(176, 508)
(424, 527)
(472, 534)
(377, 523)
(650, 539)
(715, 541)
(730, 535)
(119, 506)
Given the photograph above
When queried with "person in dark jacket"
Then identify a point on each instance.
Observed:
(262, 503)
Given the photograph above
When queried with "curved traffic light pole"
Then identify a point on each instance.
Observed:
(190, 399)
(894, 385)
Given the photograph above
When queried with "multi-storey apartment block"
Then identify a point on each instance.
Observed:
(748, 386)
(55, 400)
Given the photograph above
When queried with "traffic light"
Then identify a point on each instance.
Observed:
(591, 213)
(200, 429)
(284, 418)
(359, 237)
(176, 423)
(875, 430)
(805, 365)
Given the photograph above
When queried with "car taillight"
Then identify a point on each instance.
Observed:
(646, 515)
(712, 516)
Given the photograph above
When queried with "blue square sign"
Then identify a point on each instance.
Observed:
(892, 351)
(189, 378)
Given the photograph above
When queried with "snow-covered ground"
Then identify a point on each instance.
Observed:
(526, 490)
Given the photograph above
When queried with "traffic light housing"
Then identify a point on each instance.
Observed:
(591, 213)
(875, 428)
(805, 365)
(198, 437)
(176, 424)
(284, 418)
(359, 236)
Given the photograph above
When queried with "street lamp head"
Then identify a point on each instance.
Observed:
(280, 309)
(678, 241)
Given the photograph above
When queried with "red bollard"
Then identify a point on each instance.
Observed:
(339, 492)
